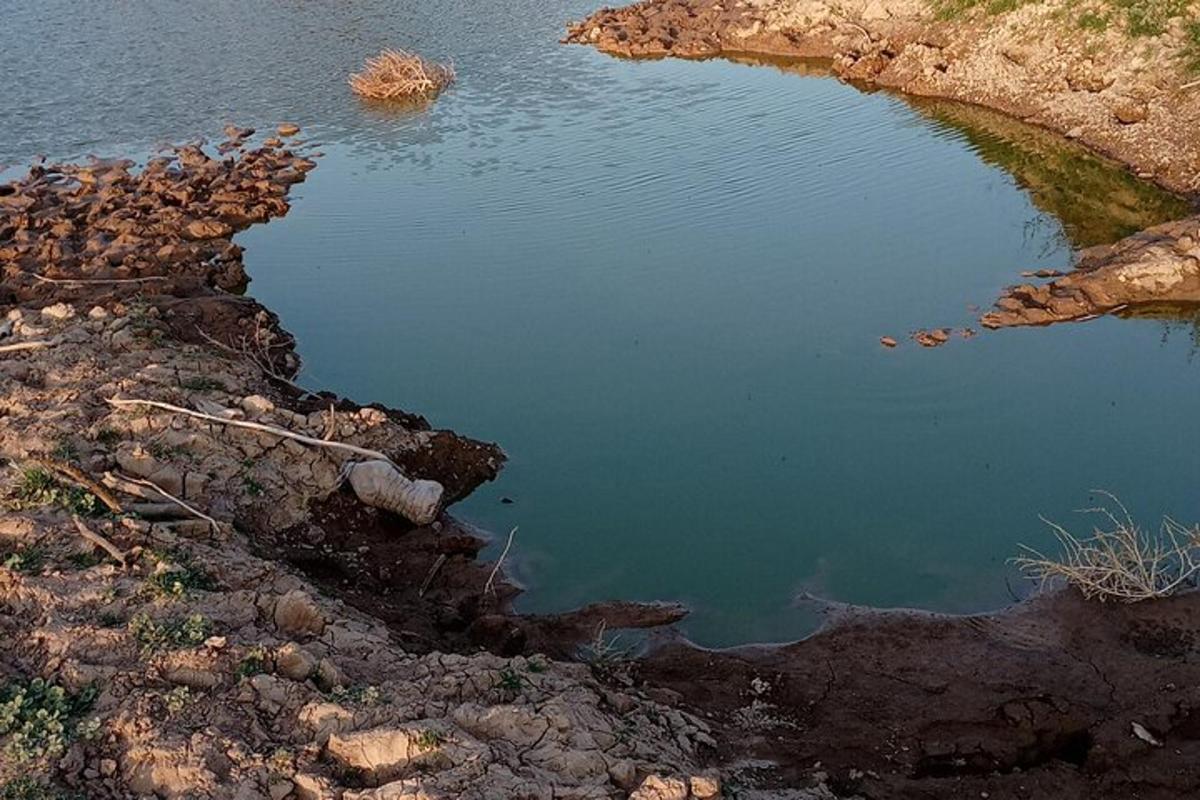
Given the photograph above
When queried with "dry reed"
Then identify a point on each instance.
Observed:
(398, 74)
(1124, 563)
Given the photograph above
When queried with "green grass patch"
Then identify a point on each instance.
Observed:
(29, 788)
(37, 487)
(173, 634)
(177, 576)
(37, 718)
(27, 560)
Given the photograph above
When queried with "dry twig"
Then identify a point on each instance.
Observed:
(1126, 563)
(253, 426)
(487, 587)
(98, 540)
(193, 511)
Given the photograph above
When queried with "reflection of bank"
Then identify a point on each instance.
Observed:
(1097, 200)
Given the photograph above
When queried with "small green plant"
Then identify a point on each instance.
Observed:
(108, 619)
(177, 700)
(253, 487)
(281, 762)
(1091, 21)
(65, 450)
(253, 663)
(429, 740)
(176, 576)
(172, 633)
(511, 681)
(29, 788)
(108, 437)
(202, 383)
(28, 560)
(37, 487)
(35, 717)
(1149, 17)
(1191, 47)
(85, 560)
(537, 666)
(368, 696)
(163, 451)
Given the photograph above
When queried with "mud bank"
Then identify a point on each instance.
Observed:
(216, 614)
(1129, 98)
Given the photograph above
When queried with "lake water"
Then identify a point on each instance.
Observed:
(660, 286)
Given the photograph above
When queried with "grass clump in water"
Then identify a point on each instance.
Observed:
(398, 74)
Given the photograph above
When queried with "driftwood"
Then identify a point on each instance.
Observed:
(488, 587)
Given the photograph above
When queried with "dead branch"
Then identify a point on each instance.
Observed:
(433, 571)
(175, 500)
(76, 476)
(487, 587)
(254, 426)
(98, 540)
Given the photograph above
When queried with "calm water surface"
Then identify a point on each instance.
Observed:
(660, 286)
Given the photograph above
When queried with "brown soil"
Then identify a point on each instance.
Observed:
(1127, 98)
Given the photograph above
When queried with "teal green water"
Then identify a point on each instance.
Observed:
(660, 286)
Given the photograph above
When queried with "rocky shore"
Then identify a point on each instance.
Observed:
(1125, 92)
(197, 607)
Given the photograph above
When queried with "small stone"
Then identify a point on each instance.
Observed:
(296, 613)
(655, 787)
(294, 662)
(256, 405)
(887, 341)
(98, 312)
(705, 787)
(108, 767)
(280, 789)
(288, 129)
(1130, 112)
(59, 311)
(328, 675)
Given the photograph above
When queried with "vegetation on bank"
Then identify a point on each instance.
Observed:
(1120, 561)
(1135, 18)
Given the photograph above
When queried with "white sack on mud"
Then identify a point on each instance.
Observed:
(380, 485)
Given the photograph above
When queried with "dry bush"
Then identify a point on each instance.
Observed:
(1120, 561)
(397, 74)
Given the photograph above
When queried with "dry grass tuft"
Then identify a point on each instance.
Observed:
(1120, 561)
(398, 74)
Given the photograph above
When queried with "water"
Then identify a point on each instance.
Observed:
(660, 286)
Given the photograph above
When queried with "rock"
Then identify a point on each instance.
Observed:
(59, 311)
(297, 614)
(108, 767)
(207, 229)
(311, 787)
(294, 662)
(256, 405)
(887, 341)
(1130, 112)
(655, 787)
(279, 789)
(288, 129)
(328, 675)
(382, 753)
(705, 787)
(623, 774)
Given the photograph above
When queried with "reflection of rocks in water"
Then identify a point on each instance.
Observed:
(1097, 201)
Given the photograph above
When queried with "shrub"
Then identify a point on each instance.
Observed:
(396, 74)
(173, 633)
(1120, 561)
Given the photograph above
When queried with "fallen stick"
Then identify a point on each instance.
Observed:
(195, 512)
(254, 426)
(437, 565)
(77, 477)
(98, 540)
(33, 344)
(487, 587)
(87, 281)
